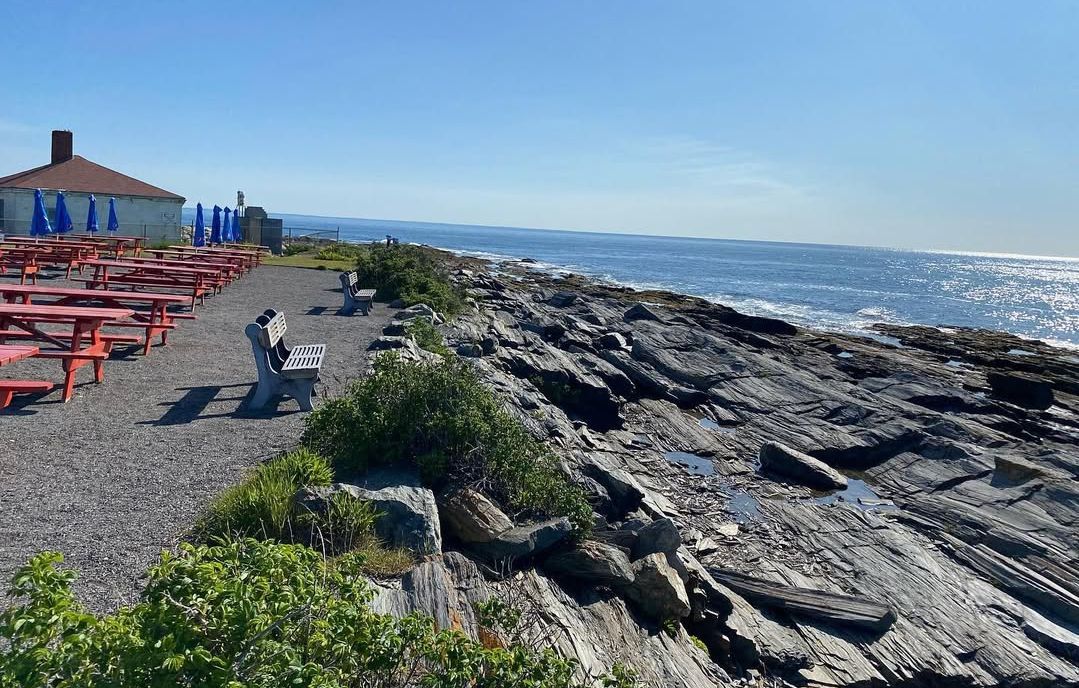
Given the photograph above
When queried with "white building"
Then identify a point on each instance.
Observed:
(141, 209)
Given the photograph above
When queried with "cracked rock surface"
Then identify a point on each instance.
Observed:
(959, 514)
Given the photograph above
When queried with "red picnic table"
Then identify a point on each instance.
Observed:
(118, 243)
(217, 274)
(85, 343)
(8, 388)
(116, 273)
(252, 258)
(69, 255)
(25, 260)
(237, 264)
(157, 320)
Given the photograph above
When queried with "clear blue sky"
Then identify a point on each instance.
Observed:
(911, 124)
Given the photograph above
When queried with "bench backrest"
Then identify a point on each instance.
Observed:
(273, 331)
(352, 279)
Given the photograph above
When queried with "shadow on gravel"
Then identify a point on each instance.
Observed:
(192, 406)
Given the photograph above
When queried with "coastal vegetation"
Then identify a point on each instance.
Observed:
(264, 506)
(414, 274)
(427, 336)
(249, 613)
(439, 417)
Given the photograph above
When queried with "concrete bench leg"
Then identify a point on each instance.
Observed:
(302, 391)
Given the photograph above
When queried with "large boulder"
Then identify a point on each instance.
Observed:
(660, 536)
(657, 589)
(471, 517)
(409, 515)
(612, 340)
(420, 310)
(562, 299)
(639, 311)
(1024, 390)
(527, 540)
(396, 328)
(387, 342)
(802, 468)
(594, 562)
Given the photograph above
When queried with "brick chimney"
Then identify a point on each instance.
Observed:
(61, 146)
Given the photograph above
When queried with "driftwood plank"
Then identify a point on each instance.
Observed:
(842, 609)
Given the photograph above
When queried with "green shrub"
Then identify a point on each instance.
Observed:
(296, 248)
(340, 251)
(413, 274)
(427, 336)
(262, 504)
(440, 417)
(247, 614)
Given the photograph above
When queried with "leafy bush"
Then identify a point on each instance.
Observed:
(426, 336)
(262, 504)
(411, 273)
(340, 251)
(440, 417)
(296, 248)
(247, 613)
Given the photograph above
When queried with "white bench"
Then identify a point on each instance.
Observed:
(354, 296)
(292, 372)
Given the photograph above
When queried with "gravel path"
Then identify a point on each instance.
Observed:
(119, 472)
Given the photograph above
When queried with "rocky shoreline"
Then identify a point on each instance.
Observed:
(773, 505)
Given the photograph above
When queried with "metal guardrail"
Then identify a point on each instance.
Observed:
(310, 234)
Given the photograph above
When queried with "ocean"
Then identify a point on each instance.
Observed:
(837, 288)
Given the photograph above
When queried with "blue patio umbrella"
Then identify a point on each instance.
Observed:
(215, 226)
(114, 224)
(199, 237)
(237, 231)
(39, 224)
(91, 215)
(63, 218)
(226, 230)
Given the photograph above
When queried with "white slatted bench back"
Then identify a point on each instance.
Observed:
(273, 331)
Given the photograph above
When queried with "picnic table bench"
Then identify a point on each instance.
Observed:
(25, 260)
(67, 255)
(119, 244)
(282, 370)
(251, 258)
(354, 296)
(85, 343)
(217, 275)
(236, 265)
(115, 273)
(157, 320)
(8, 388)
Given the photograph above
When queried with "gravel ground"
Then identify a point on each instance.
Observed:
(120, 471)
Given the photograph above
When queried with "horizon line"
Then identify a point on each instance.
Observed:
(955, 251)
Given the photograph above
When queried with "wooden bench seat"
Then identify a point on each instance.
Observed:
(282, 370)
(355, 298)
(9, 388)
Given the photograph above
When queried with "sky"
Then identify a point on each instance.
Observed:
(936, 125)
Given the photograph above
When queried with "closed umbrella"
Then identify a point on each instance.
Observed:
(91, 216)
(114, 224)
(39, 223)
(226, 230)
(237, 231)
(199, 237)
(215, 226)
(63, 218)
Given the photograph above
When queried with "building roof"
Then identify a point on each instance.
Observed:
(79, 174)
